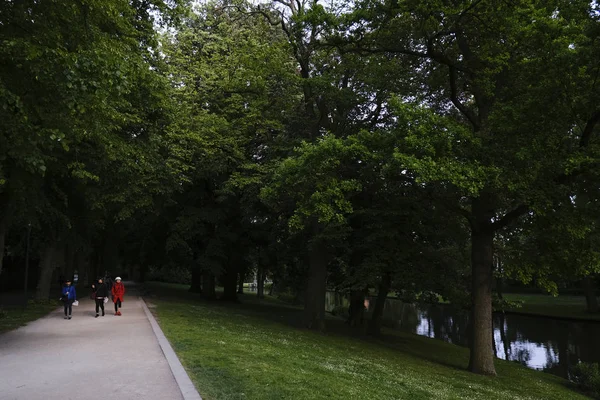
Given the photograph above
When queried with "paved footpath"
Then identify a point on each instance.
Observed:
(107, 357)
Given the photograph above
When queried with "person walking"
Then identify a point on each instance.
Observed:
(101, 293)
(118, 291)
(68, 296)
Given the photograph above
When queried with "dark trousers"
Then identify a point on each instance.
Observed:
(68, 306)
(100, 304)
(117, 305)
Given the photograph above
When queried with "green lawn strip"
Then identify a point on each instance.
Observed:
(244, 352)
(14, 317)
(546, 305)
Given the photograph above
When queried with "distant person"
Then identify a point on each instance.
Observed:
(68, 296)
(101, 293)
(118, 291)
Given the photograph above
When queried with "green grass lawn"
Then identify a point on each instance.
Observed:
(253, 350)
(560, 306)
(14, 317)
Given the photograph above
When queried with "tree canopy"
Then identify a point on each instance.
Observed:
(371, 147)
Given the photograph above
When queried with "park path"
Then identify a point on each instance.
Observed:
(107, 357)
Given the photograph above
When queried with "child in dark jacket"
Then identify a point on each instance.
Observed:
(101, 292)
(68, 296)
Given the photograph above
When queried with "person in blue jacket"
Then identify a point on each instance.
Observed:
(68, 297)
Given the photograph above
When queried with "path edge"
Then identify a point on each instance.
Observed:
(187, 388)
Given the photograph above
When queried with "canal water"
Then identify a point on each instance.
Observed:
(549, 344)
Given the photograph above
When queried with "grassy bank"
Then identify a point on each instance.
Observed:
(14, 317)
(254, 350)
(560, 306)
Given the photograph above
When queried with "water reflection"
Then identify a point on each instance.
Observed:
(548, 344)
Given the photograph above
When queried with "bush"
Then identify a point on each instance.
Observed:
(587, 377)
(341, 311)
(428, 297)
(3, 314)
(424, 297)
(502, 304)
(169, 274)
(289, 297)
(407, 296)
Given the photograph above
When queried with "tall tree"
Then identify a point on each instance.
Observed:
(232, 73)
(72, 88)
(504, 111)
(339, 98)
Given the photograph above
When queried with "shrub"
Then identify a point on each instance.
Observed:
(341, 311)
(428, 297)
(407, 296)
(289, 297)
(587, 377)
(501, 304)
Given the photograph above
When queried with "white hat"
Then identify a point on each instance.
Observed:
(118, 278)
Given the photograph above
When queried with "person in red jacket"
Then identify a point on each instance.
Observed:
(118, 291)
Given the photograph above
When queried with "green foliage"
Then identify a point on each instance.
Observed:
(504, 304)
(553, 246)
(169, 274)
(561, 306)
(318, 192)
(587, 377)
(436, 148)
(79, 118)
(288, 297)
(389, 132)
(13, 318)
(429, 297)
(340, 311)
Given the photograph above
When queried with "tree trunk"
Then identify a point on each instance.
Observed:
(48, 264)
(208, 285)
(70, 254)
(97, 265)
(142, 272)
(196, 286)
(499, 279)
(505, 343)
(84, 268)
(260, 283)
(230, 282)
(481, 359)
(272, 288)
(500, 288)
(5, 219)
(241, 279)
(110, 257)
(377, 317)
(3, 230)
(494, 349)
(314, 300)
(589, 290)
(563, 351)
(356, 311)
